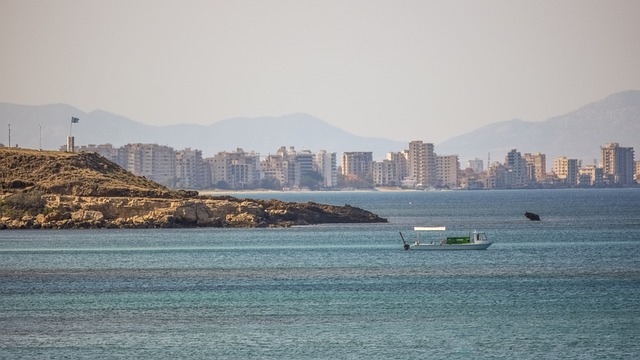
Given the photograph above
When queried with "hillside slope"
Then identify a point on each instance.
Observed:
(83, 174)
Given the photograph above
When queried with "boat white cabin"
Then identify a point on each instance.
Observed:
(473, 241)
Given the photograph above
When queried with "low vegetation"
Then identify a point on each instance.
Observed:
(82, 174)
(23, 203)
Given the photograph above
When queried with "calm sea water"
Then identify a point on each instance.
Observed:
(566, 287)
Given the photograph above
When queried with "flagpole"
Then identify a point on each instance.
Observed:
(73, 120)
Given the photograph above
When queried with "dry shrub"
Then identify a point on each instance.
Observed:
(31, 202)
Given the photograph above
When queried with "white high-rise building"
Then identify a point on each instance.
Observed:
(153, 161)
(566, 170)
(618, 163)
(536, 167)
(447, 170)
(326, 165)
(422, 164)
(237, 169)
(517, 169)
(190, 169)
(357, 164)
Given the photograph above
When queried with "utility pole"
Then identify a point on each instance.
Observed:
(9, 135)
(40, 126)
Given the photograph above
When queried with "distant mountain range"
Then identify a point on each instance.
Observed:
(578, 134)
(263, 135)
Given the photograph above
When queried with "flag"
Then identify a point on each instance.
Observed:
(75, 120)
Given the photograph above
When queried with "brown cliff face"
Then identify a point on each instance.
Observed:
(45, 189)
(71, 212)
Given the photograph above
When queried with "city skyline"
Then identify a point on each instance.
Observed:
(417, 167)
(432, 68)
(464, 163)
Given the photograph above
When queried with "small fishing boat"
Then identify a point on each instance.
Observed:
(472, 241)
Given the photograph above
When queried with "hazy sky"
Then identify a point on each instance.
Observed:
(400, 69)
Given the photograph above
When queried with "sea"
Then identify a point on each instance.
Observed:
(565, 287)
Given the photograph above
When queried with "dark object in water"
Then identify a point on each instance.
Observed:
(531, 216)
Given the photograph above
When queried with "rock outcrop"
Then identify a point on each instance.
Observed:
(54, 190)
(83, 212)
(532, 216)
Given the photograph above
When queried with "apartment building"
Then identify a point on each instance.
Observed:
(536, 167)
(392, 170)
(422, 164)
(517, 167)
(190, 169)
(155, 162)
(385, 173)
(236, 170)
(302, 164)
(294, 169)
(589, 176)
(447, 167)
(618, 164)
(357, 164)
(326, 165)
(401, 159)
(275, 168)
(499, 177)
(566, 170)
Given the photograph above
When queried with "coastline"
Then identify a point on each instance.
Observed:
(218, 192)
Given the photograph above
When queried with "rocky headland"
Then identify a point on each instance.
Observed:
(59, 190)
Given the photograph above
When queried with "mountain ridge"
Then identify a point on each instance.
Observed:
(575, 134)
(264, 135)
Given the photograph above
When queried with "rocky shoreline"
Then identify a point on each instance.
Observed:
(83, 212)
